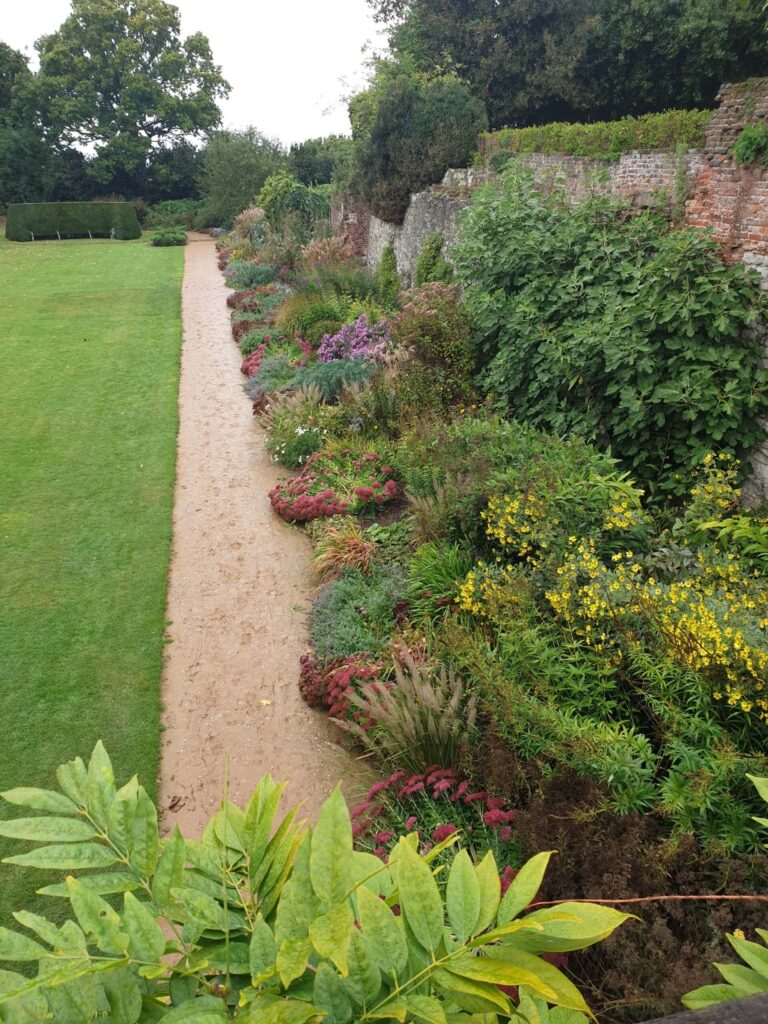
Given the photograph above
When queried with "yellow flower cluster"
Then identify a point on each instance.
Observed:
(716, 489)
(621, 515)
(714, 621)
(493, 593)
(517, 524)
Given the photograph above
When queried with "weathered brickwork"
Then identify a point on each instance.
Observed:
(730, 199)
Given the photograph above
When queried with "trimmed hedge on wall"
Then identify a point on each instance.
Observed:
(70, 220)
(601, 140)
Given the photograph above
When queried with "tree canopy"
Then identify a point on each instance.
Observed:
(117, 76)
(533, 61)
(407, 132)
(235, 165)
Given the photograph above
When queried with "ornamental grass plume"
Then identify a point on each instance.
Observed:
(421, 718)
(342, 545)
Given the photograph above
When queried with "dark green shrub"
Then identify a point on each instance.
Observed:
(71, 220)
(615, 327)
(387, 277)
(751, 147)
(171, 213)
(356, 613)
(169, 236)
(282, 197)
(407, 133)
(431, 264)
(600, 140)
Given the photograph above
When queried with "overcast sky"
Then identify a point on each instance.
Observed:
(289, 62)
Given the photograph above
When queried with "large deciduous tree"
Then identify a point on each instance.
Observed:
(118, 77)
(533, 61)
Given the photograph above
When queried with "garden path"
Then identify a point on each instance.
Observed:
(239, 592)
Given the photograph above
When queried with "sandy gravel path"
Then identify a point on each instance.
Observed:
(239, 592)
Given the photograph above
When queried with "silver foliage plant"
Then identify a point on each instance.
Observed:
(262, 919)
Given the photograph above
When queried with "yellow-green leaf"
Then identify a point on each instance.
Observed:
(292, 959)
(363, 983)
(524, 887)
(263, 951)
(97, 918)
(419, 897)
(143, 841)
(330, 860)
(331, 934)
(73, 779)
(145, 937)
(570, 926)
(14, 946)
(330, 996)
(101, 784)
(383, 933)
(496, 972)
(169, 873)
(462, 897)
(426, 1009)
(490, 892)
(40, 800)
(48, 830)
(548, 978)
(66, 857)
(472, 996)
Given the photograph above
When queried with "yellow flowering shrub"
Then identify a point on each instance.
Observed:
(714, 620)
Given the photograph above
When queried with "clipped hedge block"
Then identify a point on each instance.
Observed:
(29, 221)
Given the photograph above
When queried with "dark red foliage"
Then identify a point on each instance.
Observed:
(328, 686)
(251, 363)
(240, 328)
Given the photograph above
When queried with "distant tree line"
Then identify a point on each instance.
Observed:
(122, 104)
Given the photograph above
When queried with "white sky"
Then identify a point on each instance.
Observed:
(289, 62)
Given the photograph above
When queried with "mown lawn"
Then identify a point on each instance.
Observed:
(89, 338)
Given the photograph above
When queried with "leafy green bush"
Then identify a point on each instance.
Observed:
(283, 196)
(407, 132)
(431, 264)
(169, 236)
(356, 613)
(260, 920)
(299, 424)
(172, 213)
(601, 140)
(751, 147)
(434, 574)
(616, 327)
(387, 277)
(435, 330)
(27, 221)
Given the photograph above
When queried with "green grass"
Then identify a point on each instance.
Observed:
(90, 346)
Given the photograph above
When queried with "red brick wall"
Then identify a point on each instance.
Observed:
(729, 198)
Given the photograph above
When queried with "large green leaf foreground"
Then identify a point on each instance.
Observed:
(265, 920)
